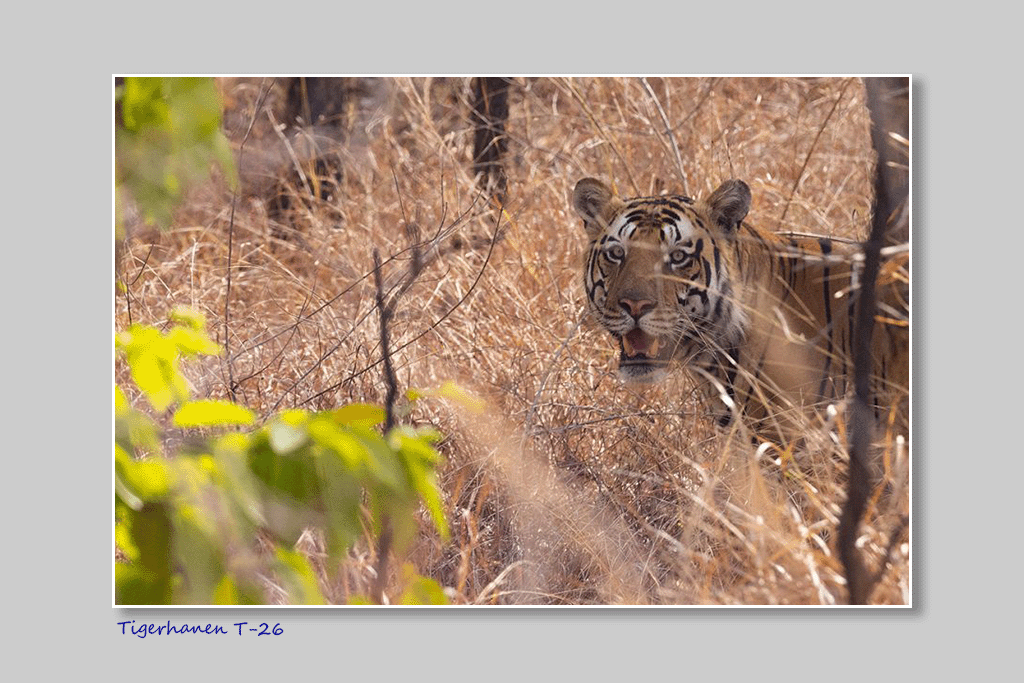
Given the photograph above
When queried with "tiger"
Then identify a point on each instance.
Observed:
(764, 320)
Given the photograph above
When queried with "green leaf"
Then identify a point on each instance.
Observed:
(287, 432)
(154, 376)
(190, 317)
(298, 577)
(136, 586)
(382, 460)
(191, 342)
(121, 405)
(236, 479)
(145, 480)
(293, 475)
(362, 414)
(340, 441)
(419, 590)
(168, 136)
(153, 361)
(135, 432)
(123, 494)
(210, 413)
(453, 392)
(226, 592)
(342, 497)
(142, 103)
(420, 460)
(148, 579)
(123, 536)
(198, 550)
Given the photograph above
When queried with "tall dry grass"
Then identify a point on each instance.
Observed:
(572, 488)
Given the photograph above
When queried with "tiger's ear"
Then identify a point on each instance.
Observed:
(595, 203)
(729, 204)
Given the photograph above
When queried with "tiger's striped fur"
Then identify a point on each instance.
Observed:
(765, 319)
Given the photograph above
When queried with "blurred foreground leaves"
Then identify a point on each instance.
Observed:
(188, 521)
(167, 135)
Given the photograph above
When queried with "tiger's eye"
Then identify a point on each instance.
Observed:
(615, 252)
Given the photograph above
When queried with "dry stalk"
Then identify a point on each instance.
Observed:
(128, 285)
(232, 385)
(669, 133)
(578, 96)
(810, 151)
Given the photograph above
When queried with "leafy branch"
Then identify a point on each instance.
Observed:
(186, 522)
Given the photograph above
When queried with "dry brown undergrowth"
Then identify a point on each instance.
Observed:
(572, 488)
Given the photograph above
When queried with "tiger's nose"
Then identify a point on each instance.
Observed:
(636, 308)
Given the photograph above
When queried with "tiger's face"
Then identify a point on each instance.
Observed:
(657, 274)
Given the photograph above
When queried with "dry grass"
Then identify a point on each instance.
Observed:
(572, 488)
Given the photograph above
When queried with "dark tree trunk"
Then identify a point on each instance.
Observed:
(888, 100)
(490, 115)
(317, 101)
(889, 103)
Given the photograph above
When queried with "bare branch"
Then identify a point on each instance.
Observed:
(472, 287)
(387, 311)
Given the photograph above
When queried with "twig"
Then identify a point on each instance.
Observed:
(600, 129)
(386, 534)
(385, 346)
(894, 539)
(280, 353)
(128, 285)
(487, 260)
(528, 423)
(810, 152)
(387, 311)
(291, 151)
(441, 234)
(700, 103)
(231, 240)
(668, 132)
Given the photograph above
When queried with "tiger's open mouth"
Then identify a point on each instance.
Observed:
(643, 357)
(641, 348)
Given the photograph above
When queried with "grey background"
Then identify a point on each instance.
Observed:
(966, 477)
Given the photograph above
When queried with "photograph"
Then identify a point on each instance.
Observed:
(387, 342)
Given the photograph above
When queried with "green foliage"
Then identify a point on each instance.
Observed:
(166, 137)
(153, 356)
(212, 414)
(187, 522)
(419, 590)
(451, 391)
